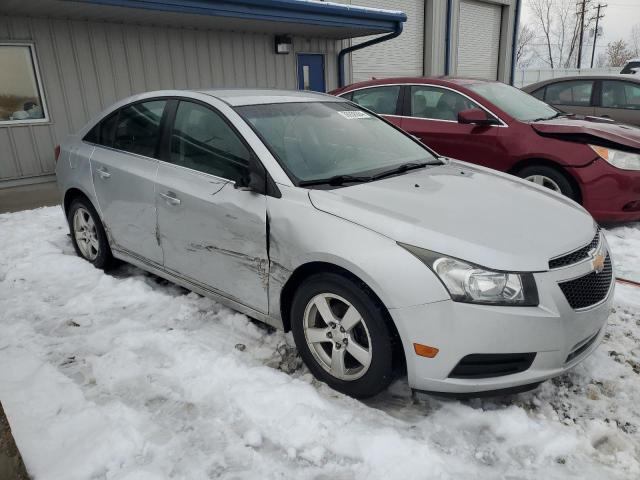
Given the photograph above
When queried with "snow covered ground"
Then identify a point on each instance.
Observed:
(125, 376)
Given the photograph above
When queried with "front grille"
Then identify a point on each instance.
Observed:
(582, 348)
(577, 255)
(487, 365)
(589, 290)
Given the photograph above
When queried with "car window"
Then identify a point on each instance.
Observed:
(138, 127)
(203, 141)
(617, 94)
(438, 103)
(347, 95)
(628, 68)
(382, 100)
(102, 133)
(539, 93)
(574, 92)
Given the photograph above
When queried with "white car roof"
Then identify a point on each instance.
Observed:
(249, 96)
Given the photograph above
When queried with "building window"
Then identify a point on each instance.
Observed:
(21, 99)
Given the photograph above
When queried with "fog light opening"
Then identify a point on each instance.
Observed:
(425, 350)
(632, 206)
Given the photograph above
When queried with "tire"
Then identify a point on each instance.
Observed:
(551, 178)
(96, 250)
(343, 335)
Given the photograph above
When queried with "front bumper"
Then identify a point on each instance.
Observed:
(609, 193)
(559, 336)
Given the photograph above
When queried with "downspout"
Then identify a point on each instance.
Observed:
(344, 51)
(447, 39)
(516, 27)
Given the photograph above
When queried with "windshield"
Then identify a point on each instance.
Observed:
(515, 102)
(320, 140)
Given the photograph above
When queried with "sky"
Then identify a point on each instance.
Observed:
(619, 18)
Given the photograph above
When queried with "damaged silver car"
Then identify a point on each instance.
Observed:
(312, 214)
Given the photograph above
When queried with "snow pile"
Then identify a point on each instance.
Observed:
(125, 376)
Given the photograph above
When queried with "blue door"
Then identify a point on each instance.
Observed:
(311, 72)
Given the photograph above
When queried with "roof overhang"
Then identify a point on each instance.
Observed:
(309, 18)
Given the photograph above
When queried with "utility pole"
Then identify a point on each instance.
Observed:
(581, 14)
(595, 33)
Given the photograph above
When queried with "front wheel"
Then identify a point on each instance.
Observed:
(550, 178)
(342, 335)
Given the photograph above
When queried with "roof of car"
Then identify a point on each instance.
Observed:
(249, 96)
(435, 80)
(612, 76)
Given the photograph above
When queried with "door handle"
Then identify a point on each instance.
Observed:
(103, 173)
(170, 198)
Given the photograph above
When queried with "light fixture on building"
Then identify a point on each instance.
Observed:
(283, 44)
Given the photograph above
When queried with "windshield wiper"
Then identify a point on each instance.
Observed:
(335, 180)
(405, 167)
(556, 115)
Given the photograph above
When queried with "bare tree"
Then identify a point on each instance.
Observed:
(618, 53)
(524, 55)
(542, 12)
(559, 24)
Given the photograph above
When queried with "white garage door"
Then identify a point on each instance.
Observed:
(402, 56)
(478, 39)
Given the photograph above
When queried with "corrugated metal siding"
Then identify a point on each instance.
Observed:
(87, 66)
(479, 39)
(402, 56)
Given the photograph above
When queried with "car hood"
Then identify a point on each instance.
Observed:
(590, 129)
(469, 212)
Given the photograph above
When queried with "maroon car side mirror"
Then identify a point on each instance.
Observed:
(475, 116)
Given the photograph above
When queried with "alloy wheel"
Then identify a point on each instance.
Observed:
(337, 336)
(544, 182)
(86, 234)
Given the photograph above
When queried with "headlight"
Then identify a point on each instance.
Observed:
(473, 284)
(618, 158)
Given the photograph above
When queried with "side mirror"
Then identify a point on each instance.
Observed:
(255, 179)
(475, 116)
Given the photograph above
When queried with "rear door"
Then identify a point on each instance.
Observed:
(211, 232)
(124, 167)
(573, 96)
(619, 100)
(431, 114)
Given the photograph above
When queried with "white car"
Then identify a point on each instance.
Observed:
(315, 215)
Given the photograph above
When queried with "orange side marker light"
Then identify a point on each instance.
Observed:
(425, 350)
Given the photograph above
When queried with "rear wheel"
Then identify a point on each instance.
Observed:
(342, 336)
(88, 235)
(549, 177)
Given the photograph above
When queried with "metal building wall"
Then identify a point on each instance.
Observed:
(86, 66)
(435, 28)
(402, 56)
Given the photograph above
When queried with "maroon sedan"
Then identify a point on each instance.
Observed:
(591, 160)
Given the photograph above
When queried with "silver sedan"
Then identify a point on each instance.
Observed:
(312, 214)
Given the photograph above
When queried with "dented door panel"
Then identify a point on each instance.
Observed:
(213, 233)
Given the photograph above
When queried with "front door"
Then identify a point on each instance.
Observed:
(431, 114)
(211, 232)
(124, 172)
(311, 72)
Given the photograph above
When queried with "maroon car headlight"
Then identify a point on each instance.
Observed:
(618, 158)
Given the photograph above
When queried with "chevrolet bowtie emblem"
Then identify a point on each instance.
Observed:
(598, 262)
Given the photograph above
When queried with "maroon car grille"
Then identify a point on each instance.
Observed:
(590, 289)
(575, 256)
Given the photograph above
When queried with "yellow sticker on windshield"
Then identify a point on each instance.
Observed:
(354, 114)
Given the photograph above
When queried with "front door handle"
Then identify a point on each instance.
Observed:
(103, 173)
(170, 198)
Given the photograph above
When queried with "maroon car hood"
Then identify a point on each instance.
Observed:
(589, 129)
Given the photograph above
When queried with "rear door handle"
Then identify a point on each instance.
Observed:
(103, 173)
(170, 198)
